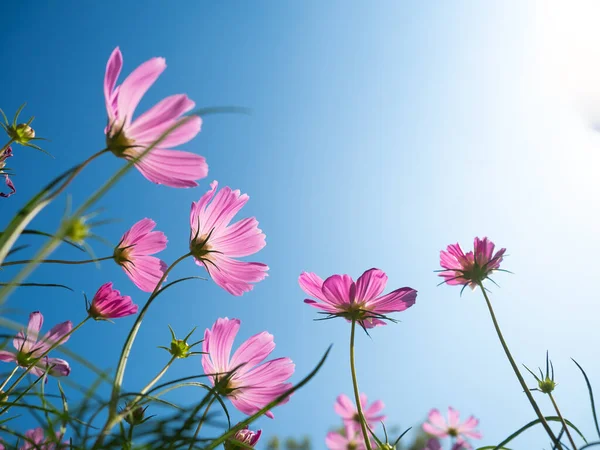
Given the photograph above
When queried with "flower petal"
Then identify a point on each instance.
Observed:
(252, 352)
(113, 69)
(174, 168)
(136, 85)
(370, 284)
(339, 289)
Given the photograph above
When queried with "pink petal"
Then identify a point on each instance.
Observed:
(324, 306)
(370, 284)
(236, 277)
(437, 419)
(428, 428)
(344, 407)
(395, 301)
(453, 417)
(218, 342)
(241, 239)
(153, 123)
(58, 367)
(145, 271)
(136, 85)
(312, 284)
(188, 128)
(252, 352)
(269, 373)
(58, 333)
(335, 441)
(7, 356)
(221, 210)
(113, 69)
(339, 289)
(174, 168)
(198, 208)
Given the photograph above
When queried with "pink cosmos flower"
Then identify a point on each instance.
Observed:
(108, 303)
(214, 242)
(128, 138)
(361, 301)
(36, 439)
(133, 254)
(4, 155)
(351, 439)
(472, 268)
(348, 412)
(30, 349)
(247, 437)
(439, 427)
(250, 385)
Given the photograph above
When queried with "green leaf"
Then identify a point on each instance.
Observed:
(500, 446)
(589, 386)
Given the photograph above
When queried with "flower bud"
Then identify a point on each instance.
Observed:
(546, 385)
(136, 416)
(245, 436)
(77, 230)
(23, 133)
(180, 348)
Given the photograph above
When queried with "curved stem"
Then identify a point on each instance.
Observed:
(361, 416)
(112, 420)
(26, 215)
(56, 261)
(563, 421)
(518, 373)
(202, 421)
(8, 378)
(158, 377)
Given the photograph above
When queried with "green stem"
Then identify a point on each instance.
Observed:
(56, 261)
(14, 230)
(574, 447)
(201, 422)
(518, 373)
(361, 416)
(9, 377)
(158, 377)
(113, 417)
(7, 145)
(35, 361)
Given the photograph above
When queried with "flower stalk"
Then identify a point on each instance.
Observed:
(361, 416)
(534, 405)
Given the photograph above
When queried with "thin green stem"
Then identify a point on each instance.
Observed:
(361, 416)
(113, 417)
(7, 145)
(534, 405)
(9, 377)
(56, 261)
(14, 230)
(158, 376)
(201, 421)
(565, 427)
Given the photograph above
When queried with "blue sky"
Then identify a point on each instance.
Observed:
(380, 133)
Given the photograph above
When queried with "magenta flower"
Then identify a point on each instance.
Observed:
(36, 439)
(108, 303)
(214, 242)
(245, 436)
(249, 384)
(30, 349)
(348, 412)
(339, 295)
(472, 268)
(439, 427)
(133, 254)
(433, 444)
(350, 439)
(4, 155)
(128, 138)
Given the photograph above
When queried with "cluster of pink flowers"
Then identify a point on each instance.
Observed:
(216, 243)
(36, 439)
